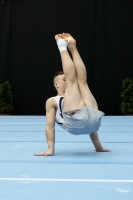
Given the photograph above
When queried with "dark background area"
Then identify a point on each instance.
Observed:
(29, 56)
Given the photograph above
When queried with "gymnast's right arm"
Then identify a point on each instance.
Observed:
(50, 128)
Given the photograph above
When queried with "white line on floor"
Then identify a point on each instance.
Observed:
(65, 180)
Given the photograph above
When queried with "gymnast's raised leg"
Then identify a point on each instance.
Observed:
(85, 92)
(72, 98)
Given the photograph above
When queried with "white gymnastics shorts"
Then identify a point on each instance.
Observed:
(85, 121)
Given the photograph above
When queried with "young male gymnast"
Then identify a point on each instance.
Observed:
(74, 108)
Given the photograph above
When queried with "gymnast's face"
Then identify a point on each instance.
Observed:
(60, 83)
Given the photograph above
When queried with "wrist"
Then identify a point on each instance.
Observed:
(51, 146)
(51, 150)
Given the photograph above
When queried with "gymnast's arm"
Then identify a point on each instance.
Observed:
(50, 128)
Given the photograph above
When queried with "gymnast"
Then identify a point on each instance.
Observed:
(74, 108)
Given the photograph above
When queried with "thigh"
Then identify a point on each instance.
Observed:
(72, 98)
(86, 94)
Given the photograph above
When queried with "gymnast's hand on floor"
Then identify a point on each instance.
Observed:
(102, 150)
(47, 153)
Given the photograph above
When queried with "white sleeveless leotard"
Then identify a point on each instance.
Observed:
(59, 113)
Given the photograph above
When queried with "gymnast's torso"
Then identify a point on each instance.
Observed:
(59, 111)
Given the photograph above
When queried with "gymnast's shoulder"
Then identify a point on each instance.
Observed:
(50, 103)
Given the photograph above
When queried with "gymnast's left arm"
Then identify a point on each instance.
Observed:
(50, 128)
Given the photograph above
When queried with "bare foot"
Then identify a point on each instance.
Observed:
(70, 40)
(58, 36)
(102, 150)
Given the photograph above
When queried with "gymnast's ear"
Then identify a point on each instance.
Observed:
(56, 85)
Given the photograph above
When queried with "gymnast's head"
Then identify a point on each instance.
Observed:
(59, 82)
